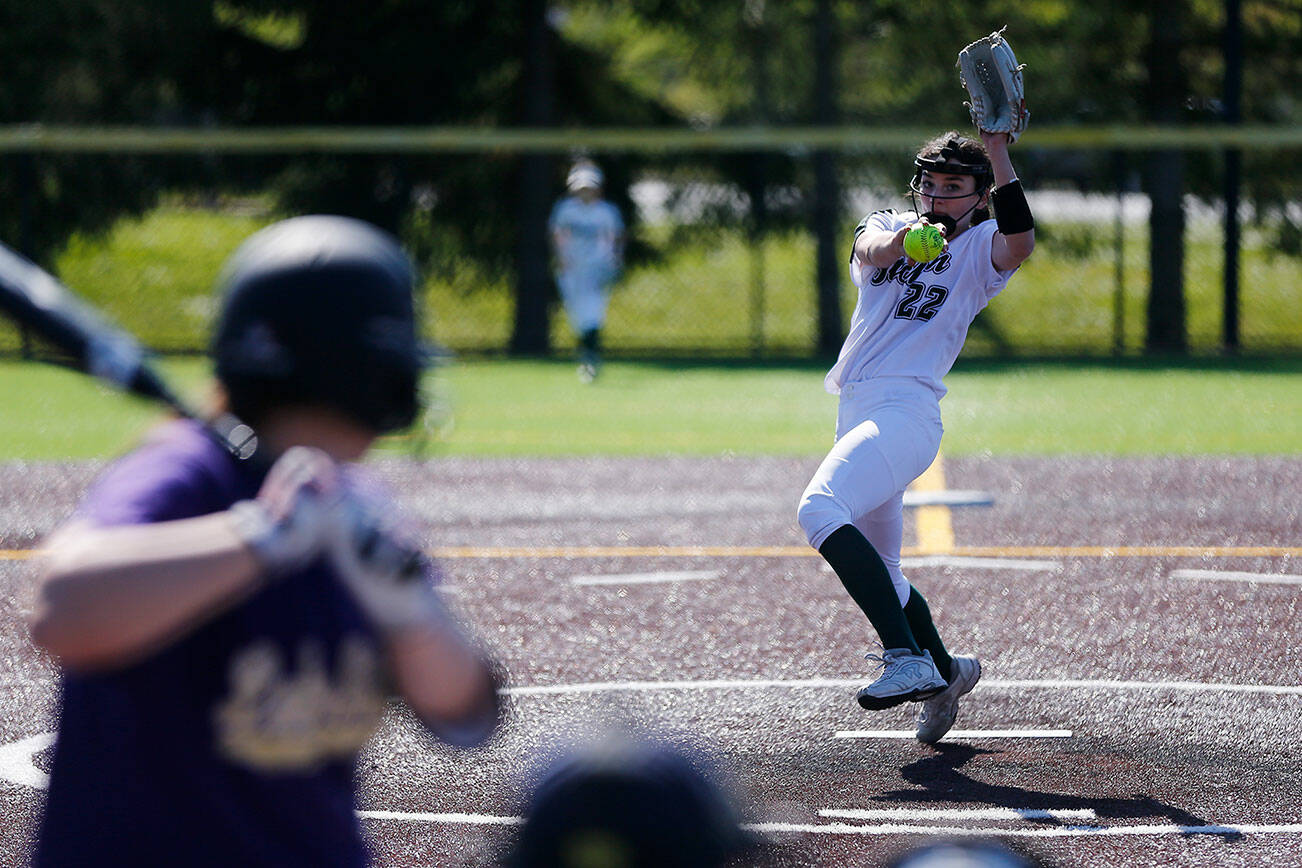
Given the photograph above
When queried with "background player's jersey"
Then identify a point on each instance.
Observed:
(912, 318)
(589, 231)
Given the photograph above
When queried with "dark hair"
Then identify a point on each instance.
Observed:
(964, 154)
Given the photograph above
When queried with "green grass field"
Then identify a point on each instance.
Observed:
(481, 408)
(154, 276)
(717, 293)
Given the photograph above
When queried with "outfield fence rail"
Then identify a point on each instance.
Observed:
(55, 138)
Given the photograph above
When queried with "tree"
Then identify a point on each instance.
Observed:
(530, 334)
(249, 63)
(827, 196)
(1164, 182)
(77, 61)
(626, 62)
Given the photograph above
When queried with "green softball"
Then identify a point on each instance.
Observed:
(924, 243)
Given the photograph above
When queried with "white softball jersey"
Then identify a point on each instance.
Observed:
(911, 318)
(587, 259)
(909, 325)
(591, 229)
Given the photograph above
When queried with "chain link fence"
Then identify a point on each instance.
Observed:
(721, 258)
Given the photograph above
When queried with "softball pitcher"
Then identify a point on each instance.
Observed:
(908, 327)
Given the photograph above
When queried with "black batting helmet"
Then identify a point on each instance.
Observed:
(629, 804)
(318, 310)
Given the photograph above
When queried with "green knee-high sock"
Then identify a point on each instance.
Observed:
(924, 629)
(864, 575)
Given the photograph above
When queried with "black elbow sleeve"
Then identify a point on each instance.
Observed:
(1012, 213)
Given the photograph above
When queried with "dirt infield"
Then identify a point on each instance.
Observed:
(1137, 621)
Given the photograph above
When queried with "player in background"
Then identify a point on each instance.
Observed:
(631, 800)
(908, 327)
(229, 635)
(587, 234)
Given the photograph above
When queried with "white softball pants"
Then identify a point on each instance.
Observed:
(584, 293)
(887, 434)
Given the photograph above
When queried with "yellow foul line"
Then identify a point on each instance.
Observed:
(935, 531)
(19, 554)
(800, 551)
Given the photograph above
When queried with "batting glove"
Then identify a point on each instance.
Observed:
(388, 575)
(286, 525)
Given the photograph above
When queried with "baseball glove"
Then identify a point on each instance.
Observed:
(993, 78)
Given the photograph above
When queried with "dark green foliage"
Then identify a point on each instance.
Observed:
(76, 61)
(1074, 240)
(1288, 237)
(273, 63)
(460, 62)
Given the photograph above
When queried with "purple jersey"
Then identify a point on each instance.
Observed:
(236, 744)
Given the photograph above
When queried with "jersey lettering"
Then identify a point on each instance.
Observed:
(905, 270)
(921, 302)
(936, 296)
(284, 718)
(908, 306)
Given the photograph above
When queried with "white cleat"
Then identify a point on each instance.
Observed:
(906, 677)
(939, 712)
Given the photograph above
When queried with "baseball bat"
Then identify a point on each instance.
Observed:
(33, 298)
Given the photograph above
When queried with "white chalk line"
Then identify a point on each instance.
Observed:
(437, 818)
(1230, 576)
(899, 828)
(16, 761)
(1078, 831)
(841, 683)
(967, 562)
(957, 734)
(949, 497)
(1004, 832)
(959, 813)
(647, 578)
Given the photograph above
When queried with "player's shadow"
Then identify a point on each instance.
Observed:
(941, 781)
